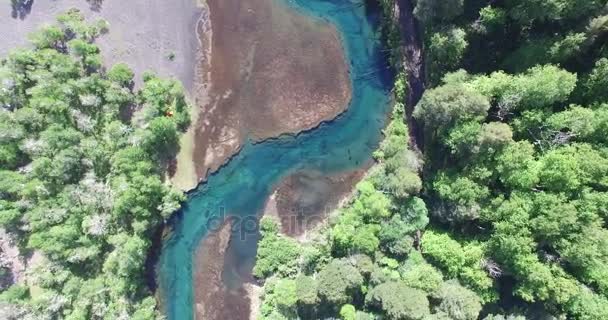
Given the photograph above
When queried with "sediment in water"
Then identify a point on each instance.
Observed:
(266, 70)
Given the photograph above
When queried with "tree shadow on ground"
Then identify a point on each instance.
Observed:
(21, 8)
(95, 4)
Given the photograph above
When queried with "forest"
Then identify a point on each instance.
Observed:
(83, 158)
(500, 211)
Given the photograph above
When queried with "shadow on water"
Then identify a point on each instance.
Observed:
(21, 8)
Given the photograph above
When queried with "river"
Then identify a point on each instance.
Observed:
(241, 186)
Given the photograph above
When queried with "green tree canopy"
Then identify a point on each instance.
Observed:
(338, 281)
(398, 301)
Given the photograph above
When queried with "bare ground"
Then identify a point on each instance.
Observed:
(11, 260)
(142, 32)
(412, 57)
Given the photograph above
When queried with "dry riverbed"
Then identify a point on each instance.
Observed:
(213, 300)
(142, 33)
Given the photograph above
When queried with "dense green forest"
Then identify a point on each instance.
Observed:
(501, 210)
(82, 163)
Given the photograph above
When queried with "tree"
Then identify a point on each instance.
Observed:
(586, 253)
(365, 239)
(395, 237)
(595, 83)
(429, 11)
(415, 213)
(560, 171)
(306, 290)
(566, 48)
(463, 139)
(447, 48)
(504, 317)
(517, 166)
(458, 302)
(161, 137)
(462, 194)
(399, 301)
(447, 105)
(587, 306)
(338, 282)
(371, 204)
(348, 312)
(444, 251)
(276, 253)
(419, 274)
(494, 136)
(285, 294)
(14, 294)
(121, 74)
(403, 182)
(463, 261)
(581, 124)
(538, 87)
(75, 184)
(491, 19)
(526, 12)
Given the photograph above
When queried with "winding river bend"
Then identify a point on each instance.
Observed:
(241, 187)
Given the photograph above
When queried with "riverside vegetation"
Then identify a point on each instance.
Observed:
(505, 213)
(82, 162)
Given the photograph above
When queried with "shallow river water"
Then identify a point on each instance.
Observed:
(241, 187)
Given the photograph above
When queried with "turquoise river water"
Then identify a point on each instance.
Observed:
(241, 187)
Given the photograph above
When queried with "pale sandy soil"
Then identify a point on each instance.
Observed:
(142, 32)
(209, 265)
(184, 177)
(305, 200)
